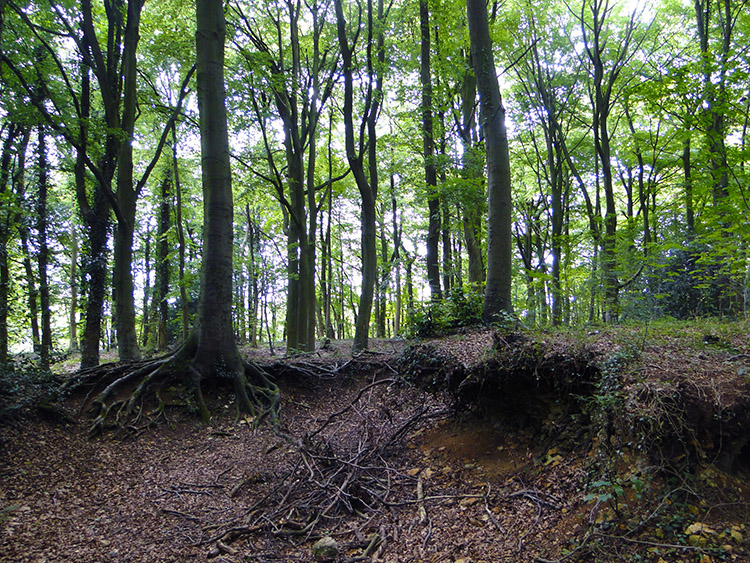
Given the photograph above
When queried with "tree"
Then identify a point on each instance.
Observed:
(217, 352)
(430, 168)
(367, 184)
(210, 353)
(11, 132)
(549, 95)
(607, 64)
(497, 296)
(300, 79)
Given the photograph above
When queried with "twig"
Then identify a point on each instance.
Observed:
(738, 357)
(649, 543)
(181, 515)
(490, 514)
(350, 405)
(421, 510)
(535, 497)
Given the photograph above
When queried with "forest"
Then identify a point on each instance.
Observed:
(364, 221)
(627, 136)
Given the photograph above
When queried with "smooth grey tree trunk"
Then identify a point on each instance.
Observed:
(497, 296)
(430, 170)
(217, 354)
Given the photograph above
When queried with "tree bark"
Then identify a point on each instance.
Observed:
(5, 180)
(96, 226)
(73, 281)
(216, 354)
(180, 231)
(497, 296)
(161, 286)
(430, 170)
(43, 253)
(474, 200)
(127, 337)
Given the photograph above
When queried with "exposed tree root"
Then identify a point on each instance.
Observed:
(134, 396)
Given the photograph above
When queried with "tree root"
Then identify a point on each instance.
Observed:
(132, 396)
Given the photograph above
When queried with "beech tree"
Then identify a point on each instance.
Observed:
(497, 296)
(430, 168)
(295, 74)
(621, 153)
(365, 172)
(210, 352)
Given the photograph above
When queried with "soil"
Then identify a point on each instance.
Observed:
(373, 453)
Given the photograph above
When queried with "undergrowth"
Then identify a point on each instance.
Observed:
(24, 385)
(462, 308)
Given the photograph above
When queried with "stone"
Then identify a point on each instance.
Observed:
(325, 549)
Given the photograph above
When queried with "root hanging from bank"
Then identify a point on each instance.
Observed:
(134, 396)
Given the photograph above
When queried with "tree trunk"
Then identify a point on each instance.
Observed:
(216, 353)
(5, 179)
(23, 232)
(180, 231)
(73, 281)
(96, 215)
(95, 269)
(396, 261)
(474, 199)
(497, 297)
(161, 287)
(605, 75)
(430, 170)
(688, 184)
(43, 252)
(368, 187)
(127, 336)
(383, 282)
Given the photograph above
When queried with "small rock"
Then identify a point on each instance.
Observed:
(325, 549)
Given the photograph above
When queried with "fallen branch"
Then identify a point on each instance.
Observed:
(421, 510)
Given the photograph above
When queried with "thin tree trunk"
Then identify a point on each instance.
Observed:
(396, 261)
(73, 282)
(430, 170)
(43, 253)
(180, 231)
(472, 207)
(161, 286)
(5, 227)
(368, 187)
(149, 309)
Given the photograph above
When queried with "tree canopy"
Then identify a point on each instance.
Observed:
(357, 158)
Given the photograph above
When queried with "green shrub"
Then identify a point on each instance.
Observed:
(24, 385)
(460, 309)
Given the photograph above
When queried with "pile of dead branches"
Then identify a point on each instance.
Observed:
(346, 468)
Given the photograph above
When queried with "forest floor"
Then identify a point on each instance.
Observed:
(476, 447)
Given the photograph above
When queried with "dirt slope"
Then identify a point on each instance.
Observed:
(391, 472)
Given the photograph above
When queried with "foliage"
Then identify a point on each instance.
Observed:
(677, 132)
(460, 309)
(690, 282)
(24, 385)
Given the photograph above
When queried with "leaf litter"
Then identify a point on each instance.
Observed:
(385, 468)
